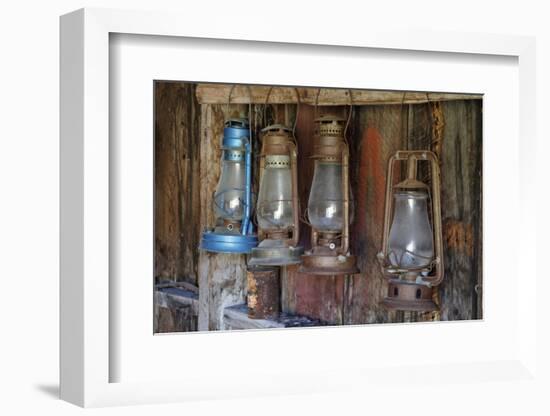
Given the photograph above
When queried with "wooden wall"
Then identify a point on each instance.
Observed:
(377, 132)
(177, 181)
(187, 171)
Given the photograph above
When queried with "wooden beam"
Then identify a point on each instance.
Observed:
(219, 94)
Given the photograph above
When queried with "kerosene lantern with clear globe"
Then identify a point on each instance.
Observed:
(232, 201)
(411, 258)
(328, 209)
(277, 208)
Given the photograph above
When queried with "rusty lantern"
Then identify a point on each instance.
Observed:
(328, 209)
(277, 206)
(412, 249)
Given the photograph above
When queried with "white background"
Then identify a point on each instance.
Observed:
(29, 67)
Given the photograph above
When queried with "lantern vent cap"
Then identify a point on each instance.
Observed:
(330, 125)
(236, 123)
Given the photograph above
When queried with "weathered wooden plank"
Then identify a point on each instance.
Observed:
(177, 201)
(236, 317)
(461, 179)
(219, 93)
(171, 297)
(176, 310)
(378, 132)
(178, 319)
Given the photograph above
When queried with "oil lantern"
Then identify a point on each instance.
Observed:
(232, 201)
(328, 207)
(411, 258)
(277, 207)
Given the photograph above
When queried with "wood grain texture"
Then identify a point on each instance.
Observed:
(176, 310)
(461, 175)
(177, 162)
(378, 132)
(218, 93)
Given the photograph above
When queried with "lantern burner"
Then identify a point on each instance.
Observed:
(326, 262)
(408, 296)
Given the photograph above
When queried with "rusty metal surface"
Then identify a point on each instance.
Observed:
(327, 265)
(264, 290)
(409, 297)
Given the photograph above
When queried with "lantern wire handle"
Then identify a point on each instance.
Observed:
(249, 109)
(265, 103)
(401, 135)
(315, 108)
(298, 103)
(228, 101)
(349, 116)
(316, 102)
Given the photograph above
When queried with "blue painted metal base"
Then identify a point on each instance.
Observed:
(228, 243)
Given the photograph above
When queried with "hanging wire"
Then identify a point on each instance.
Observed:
(315, 109)
(437, 128)
(265, 105)
(229, 101)
(349, 116)
(298, 103)
(401, 135)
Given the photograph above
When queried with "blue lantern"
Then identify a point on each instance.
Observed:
(234, 231)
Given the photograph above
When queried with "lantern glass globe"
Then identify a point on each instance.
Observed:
(274, 207)
(410, 243)
(325, 207)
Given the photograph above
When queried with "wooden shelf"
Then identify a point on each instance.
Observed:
(236, 317)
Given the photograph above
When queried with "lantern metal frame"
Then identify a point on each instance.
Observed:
(277, 141)
(237, 139)
(411, 289)
(329, 254)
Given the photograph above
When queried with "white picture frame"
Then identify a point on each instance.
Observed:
(87, 356)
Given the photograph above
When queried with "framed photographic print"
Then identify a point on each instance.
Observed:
(277, 210)
(277, 265)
